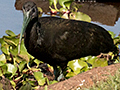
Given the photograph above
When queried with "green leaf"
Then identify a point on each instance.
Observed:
(45, 87)
(38, 75)
(90, 59)
(13, 84)
(80, 16)
(14, 51)
(37, 62)
(12, 69)
(53, 82)
(2, 63)
(53, 2)
(101, 62)
(3, 69)
(77, 65)
(65, 3)
(2, 42)
(70, 74)
(27, 86)
(41, 11)
(40, 78)
(2, 58)
(22, 65)
(12, 41)
(5, 49)
(10, 33)
(112, 34)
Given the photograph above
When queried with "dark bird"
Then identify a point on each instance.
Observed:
(56, 40)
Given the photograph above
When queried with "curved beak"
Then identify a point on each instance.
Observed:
(26, 20)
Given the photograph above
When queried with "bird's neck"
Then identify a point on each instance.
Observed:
(29, 31)
(31, 25)
(32, 22)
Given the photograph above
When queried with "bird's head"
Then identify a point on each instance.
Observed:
(30, 12)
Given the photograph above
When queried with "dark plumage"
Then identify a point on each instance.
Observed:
(56, 41)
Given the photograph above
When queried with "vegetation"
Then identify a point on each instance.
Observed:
(23, 70)
(112, 83)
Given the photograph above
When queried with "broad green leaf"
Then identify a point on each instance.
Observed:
(2, 58)
(39, 77)
(65, 3)
(5, 49)
(101, 62)
(2, 63)
(22, 65)
(11, 69)
(77, 65)
(80, 16)
(42, 81)
(10, 33)
(90, 59)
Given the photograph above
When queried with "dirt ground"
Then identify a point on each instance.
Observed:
(85, 79)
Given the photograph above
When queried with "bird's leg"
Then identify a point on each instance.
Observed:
(58, 73)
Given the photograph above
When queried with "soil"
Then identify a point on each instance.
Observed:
(85, 79)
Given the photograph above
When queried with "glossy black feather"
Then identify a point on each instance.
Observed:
(56, 41)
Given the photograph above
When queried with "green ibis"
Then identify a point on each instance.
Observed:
(57, 41)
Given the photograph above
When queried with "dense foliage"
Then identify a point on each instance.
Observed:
(24, 71)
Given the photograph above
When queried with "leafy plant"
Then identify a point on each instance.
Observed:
(18, 68)
(86, 63)
(66, 12)
(24, 71)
